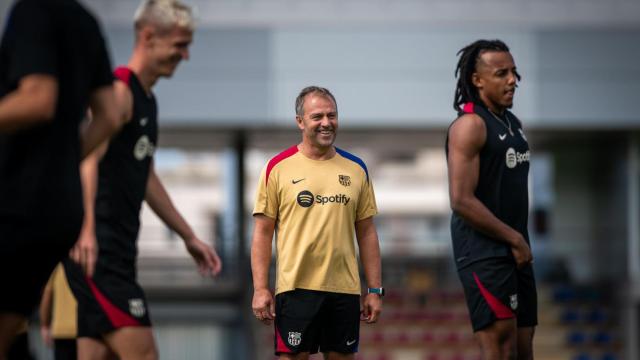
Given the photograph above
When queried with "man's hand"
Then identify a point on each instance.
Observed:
(85, 252)
(371, 308)
(45, 332)
(263, 306)
(521, 253)
(206, 258)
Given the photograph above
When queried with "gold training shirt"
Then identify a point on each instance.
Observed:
(315, 204)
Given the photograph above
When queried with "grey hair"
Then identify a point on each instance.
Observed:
(165, 14)
(312, 90)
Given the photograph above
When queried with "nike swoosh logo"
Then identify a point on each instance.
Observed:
(296, 181)
(349, 343)
(502, 137)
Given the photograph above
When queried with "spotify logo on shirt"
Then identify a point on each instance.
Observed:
(306, 199)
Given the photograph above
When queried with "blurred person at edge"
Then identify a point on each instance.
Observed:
(42, 102)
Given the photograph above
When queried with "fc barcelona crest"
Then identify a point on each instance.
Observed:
(344, 180)
(513, 299)
(136, 307)
(294, 338)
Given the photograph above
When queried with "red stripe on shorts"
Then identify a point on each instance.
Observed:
(117, 317)
(280, 346)
(499, 309)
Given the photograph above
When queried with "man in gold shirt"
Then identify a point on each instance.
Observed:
(316, 197)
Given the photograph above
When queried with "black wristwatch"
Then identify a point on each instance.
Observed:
(379, 291)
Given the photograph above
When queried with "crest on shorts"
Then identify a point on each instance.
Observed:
(294, 338)
(513, 301)
(344, 180)
(136, 307)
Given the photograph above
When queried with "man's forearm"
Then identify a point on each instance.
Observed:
(483, 220)
(260, 261)
(371, 263)
(160, 202)
(89, 177)
(32, 103)
(368, 243)
(46, 304)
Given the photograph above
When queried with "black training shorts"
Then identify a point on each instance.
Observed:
(112, 299)
(312, 321)
(495, 289)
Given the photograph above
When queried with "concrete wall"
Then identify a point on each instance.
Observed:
(394, 75)
(393, 63)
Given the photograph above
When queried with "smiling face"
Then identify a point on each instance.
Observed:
(319, 121)
(496, 79)
(168, 48)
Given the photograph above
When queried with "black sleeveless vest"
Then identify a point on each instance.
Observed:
(502, 187)
(123, 174)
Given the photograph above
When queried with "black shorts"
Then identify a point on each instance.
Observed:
(495, 289)
(312, 321)
(112, 299)
(29, 251)
(19, 349)
(65, 349)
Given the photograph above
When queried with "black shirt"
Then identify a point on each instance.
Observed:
(502, 187)
(39, 176)
(123, 173)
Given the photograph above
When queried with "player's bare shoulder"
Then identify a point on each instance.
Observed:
(124, 98)
(468, 130)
